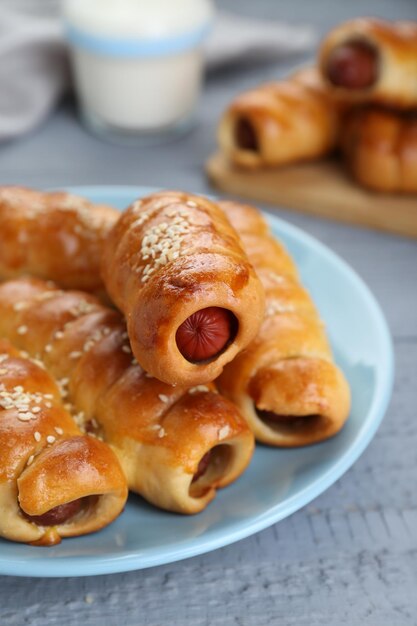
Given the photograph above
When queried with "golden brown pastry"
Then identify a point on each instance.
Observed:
(372, 60)
(279, 123)
(54, 481)
(176, 445)
(285, 383)
(175, 267)
(56, 236)
(380, 149)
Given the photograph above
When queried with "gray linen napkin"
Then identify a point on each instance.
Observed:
(236, 39)
(34, 65)
(33, 70)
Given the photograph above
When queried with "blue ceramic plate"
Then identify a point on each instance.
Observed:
(278, 482)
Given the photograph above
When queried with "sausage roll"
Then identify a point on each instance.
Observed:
(380, 149)
(177, 445)
(56, 236)
(54, 481)
(279, 123)
(175, 267)
(372, 60)
(286, 383)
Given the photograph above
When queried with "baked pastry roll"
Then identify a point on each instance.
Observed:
(281, 122)
(372, 60)
(56, 236)
(380, 149)
(285, 383)
(175, 267)
(54, 481)
(176, 445)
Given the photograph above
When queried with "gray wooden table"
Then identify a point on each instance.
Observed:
(351, 556)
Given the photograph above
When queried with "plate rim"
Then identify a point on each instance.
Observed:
(87, 565)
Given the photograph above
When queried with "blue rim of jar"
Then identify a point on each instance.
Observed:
(134, 48)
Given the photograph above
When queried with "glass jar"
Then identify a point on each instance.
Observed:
(137, 64)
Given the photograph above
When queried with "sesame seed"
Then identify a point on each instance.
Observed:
(161, 433)
(30, 459)
(48, 347)
(274, 307)
(39, 363)
(162, 243)
(22, 330)
(79, 419)
(37, 435)
(224, 432)
(81, 308)
(198, 389)
(126, 349)
(50, 439)
(18, 399)
(19, 306)
(163, 398)
(59, 334)
(47, 295)
(58, 430)
(25, 417)
(75, 354)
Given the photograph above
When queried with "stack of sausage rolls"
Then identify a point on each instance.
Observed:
(214, 343)
(361, 98)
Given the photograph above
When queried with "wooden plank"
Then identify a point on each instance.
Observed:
(322, 188)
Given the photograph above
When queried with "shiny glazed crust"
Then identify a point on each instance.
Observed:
(295, 120)
(169, 255)
(396, 47)
(46, 461)
(288, 369)
(159, 432)
(380, 149)
(55, 236)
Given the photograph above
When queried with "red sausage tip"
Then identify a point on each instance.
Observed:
(202, 466)
(245, 135)
(353, 65)
(205, 333)
(58, 515)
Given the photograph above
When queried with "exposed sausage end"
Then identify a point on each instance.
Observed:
(206, 333)
(58, 515)
(353, 65)
(245, 135)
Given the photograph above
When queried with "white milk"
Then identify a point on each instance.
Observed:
(137, 63)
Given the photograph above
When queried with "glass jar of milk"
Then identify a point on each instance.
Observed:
(137, 64)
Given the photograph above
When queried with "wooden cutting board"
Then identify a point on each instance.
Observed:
(321, 188)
